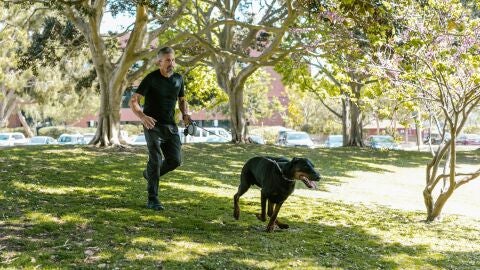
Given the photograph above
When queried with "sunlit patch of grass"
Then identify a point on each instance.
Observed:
(413, 262)
(202, 189)
(66, 190)
(39, 217)
(75, 218)
(185, 250)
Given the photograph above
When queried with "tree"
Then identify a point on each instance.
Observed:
(238, 38)
(67, 98)
(306, 112)
(436, 62)
(340, 40)
(257, 104)
(13, 82)
(77, 24)
(202, 88)
(27, 89)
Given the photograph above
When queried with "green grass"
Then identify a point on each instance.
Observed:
(85, 208)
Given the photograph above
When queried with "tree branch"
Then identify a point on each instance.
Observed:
(469, 177)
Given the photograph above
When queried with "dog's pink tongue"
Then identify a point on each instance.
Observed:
(308, 183)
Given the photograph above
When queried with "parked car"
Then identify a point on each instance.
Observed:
(215, 139)
(71, 139)
(12, 138)
(281, 136)
(255, 139)
(334, 141)
(436, 138)
(202, 134)
(468, 139)
(139, 140)
(41, 140)
(88, 137)
(297, 138)
(382, 142)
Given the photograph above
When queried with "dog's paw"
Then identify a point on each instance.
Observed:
(283, 225)
(236, 213)
(270, 229)
(261, 218)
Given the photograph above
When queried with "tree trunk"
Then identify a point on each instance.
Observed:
(356, 127)
(345, 119)
(352, 118)
(108, 129)
(233, 84)
(26, 128)
(7, 106)
(435, 207)
(235, 100)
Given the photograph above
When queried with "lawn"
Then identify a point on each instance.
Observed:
(81, 207)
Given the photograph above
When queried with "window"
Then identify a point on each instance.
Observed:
(66, 139)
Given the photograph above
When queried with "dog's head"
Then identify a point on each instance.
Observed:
(303, 169)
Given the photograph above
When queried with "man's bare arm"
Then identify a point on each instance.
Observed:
(183, 106)
(147, 121)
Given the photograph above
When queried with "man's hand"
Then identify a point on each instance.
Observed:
(187, 119)
(148, 121)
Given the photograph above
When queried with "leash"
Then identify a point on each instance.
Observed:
(281, 171)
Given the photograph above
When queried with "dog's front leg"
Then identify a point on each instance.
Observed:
(263, 203)
(271, 223)
(270, 208)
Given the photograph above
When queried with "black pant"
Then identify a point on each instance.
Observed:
(164, 154)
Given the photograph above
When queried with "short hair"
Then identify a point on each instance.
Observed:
(163, 51)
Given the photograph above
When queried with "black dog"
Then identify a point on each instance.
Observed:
(276, 178)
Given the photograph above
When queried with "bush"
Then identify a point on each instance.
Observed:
(8, 130)
(269, 134)
(56, 131)
(307, 128)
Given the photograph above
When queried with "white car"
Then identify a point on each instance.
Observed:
(88, 137)
(138, 140)
(206, 133)
(385, 142)
(297, 138)
(41, 140)
(334, 141)
(215, 139)
(12, 138)
(71, 139)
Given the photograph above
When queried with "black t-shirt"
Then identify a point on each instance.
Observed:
(161, 94)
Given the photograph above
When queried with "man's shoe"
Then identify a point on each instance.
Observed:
(155, 204)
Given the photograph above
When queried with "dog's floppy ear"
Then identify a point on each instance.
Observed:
(287, 169)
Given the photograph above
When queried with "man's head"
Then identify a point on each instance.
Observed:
(166, 60)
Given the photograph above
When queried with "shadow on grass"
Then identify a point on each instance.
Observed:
(81, 209)
(469, 157)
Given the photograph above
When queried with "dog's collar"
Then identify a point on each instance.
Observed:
(281, 171)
